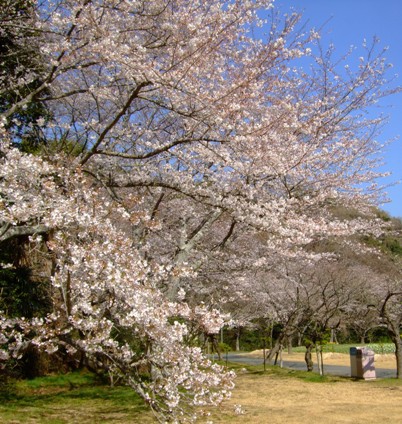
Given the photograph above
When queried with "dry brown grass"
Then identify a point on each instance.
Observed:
(269, 399)
(287, 398)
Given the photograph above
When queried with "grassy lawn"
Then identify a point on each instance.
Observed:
(379, 348)
(75, 397)
(276, 396)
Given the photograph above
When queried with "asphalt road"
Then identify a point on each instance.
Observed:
(338, 370)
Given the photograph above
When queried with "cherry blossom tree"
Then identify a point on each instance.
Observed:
(106, 302)
(392, 317)
(21, 62)
(183, 96)
(201, 149)
(379, 302)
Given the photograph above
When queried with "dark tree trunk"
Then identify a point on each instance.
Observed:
(309, 358)
(393, 322)
(238, 339)
(334, 339)
(320, 359)
(398, 354)
(290, 347)
(299, 338)
(275, 350)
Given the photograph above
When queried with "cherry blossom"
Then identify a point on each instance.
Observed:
(188, 150)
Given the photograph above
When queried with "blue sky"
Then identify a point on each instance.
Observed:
(351, 22)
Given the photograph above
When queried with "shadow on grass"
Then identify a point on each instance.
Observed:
(73, 397)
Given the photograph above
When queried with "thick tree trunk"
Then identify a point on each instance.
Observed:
(333, 336)
(308, 358)
(299, 338)
(238, 340)
(290, 347)
(398, 355)
(399, 364)
(9, 231)
(320, 361)
(278, 354)
(393, 322)
(275, 350)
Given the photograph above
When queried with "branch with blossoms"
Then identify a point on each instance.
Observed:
(106, 301)
(198, 155)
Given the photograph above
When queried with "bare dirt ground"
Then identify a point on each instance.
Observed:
(269, 398)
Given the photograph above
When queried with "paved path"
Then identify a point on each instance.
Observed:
(339, 370)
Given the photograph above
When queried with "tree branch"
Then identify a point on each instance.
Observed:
(9, 232)
(114, 121)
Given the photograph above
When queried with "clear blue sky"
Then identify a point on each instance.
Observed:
(351, 22)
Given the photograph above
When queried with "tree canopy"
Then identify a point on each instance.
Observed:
(188, 153)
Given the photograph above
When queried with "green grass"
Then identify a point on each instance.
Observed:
(80, 397)
(81, 379)
(75, 397)
(380, 348)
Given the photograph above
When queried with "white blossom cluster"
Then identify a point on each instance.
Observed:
(105, 292)
(188, 153)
